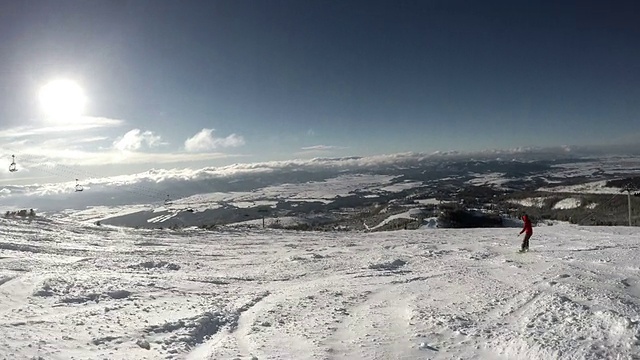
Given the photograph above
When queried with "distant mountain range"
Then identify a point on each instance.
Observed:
(340, 197)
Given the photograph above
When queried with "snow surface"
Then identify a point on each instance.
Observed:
(313, 191)
(611, 165)
(595, 187)
(530, 202)
(568, 203)
(294, 193)
(405, 185)
(491, 179)
(72, 290)
(96, 213)
(269, 221)
(430, 201)
(410, 214)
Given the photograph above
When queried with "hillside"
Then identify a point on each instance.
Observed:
(584, 191)
(69, 290)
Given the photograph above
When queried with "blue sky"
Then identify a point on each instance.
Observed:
(212, 83)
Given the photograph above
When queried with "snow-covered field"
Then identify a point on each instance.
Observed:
(531, 202)
(595, 187)
(313, 191)
(76, 291)
(492, 179)
(568, 203)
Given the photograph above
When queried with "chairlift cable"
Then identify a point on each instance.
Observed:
(63, 171)
(593, 211)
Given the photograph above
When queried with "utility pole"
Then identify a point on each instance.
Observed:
(263, 211)
(629, 203)
(628, 188)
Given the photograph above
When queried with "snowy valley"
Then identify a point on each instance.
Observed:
(581, 190)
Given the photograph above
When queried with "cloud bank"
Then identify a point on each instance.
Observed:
(91, 141)
(136, 139)
(323, 148)
(155, 184)
(205, 141)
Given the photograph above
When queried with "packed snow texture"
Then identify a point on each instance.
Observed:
(71, 290)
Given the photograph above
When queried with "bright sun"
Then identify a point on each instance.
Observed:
(62, 100)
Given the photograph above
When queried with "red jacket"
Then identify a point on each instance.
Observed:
(527, 225)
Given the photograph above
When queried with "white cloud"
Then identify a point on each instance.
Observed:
(40, 148)
(54, 143)
(84, 123)
(29, 156)
(78, 157)
(206, 141)
(71, 142)
(136, 139)
(323, 148)
(67, 170)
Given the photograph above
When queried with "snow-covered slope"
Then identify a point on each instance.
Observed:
(69, 290)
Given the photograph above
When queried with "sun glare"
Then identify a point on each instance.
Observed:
(62, 101)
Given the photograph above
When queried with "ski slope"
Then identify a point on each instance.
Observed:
(75, 291)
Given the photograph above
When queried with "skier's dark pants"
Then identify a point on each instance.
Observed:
(525, 242)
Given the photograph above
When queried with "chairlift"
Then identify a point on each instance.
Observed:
(78, 186)
(168, 201)
(13, 167)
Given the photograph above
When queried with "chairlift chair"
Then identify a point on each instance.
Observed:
(78, 186)
(167, 201)
(13, 167)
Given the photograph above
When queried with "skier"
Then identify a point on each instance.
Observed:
(528, 230)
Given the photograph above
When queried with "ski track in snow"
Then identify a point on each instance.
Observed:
(77, 291)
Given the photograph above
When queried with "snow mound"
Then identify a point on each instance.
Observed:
(73, 291)
(143, 344)
(189, 331)
(156, 265)
(307, 257)
(393, 265)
